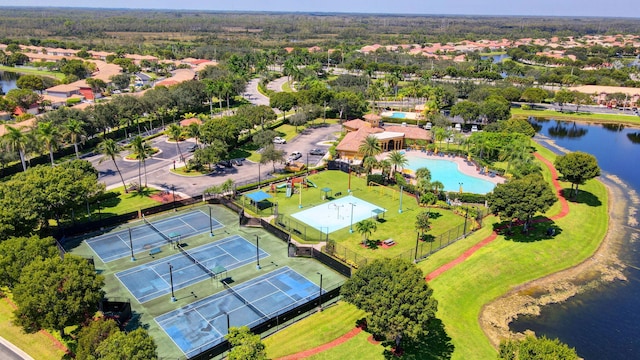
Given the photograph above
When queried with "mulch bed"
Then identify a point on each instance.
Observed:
(164, 197)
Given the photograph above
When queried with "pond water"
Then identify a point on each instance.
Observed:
(496, 58)
(8, 81)
(602, 323)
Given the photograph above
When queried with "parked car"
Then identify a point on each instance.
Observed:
(458, 127)
(192, 148)
(237, 162)
(225, 163)
(279, 140)
(428, 126)
(319, 152)
(295, 155)
(474, 128)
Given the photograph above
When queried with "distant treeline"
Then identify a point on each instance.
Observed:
(83, 26)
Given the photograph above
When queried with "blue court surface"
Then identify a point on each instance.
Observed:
(336, 214)
(203, 324)
(115, 245)
(151, 280)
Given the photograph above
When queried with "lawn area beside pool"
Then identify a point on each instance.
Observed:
(399, 226)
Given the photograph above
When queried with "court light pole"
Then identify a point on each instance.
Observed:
(351, 226)
(400, 209)
(257, 252)
(99, 213)
(320, 292)
(415, 257)
(464, 231)
(210, 223)
(133, 258)
(258, 175)
(173, 297)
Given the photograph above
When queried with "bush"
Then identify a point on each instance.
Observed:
(376, 178)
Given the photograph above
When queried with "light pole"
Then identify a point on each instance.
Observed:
(257, 252)
(464, 231)
(415, 257)
(228, 326)
(133, 258)
(210, 223)
(351, 226)
(320, 292)
(258, 175)
(99, 213)
(460, 187)
(400, 209)
(173, 297)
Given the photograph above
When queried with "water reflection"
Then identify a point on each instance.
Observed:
(634, 137)
(613, 127)
(564, 130)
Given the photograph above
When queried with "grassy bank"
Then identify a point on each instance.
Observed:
(504, 264)
(27, 71)
(490, 273)
(579, 116)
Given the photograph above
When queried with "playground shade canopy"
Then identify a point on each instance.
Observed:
(258, 196)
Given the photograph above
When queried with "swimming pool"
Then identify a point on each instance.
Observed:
(398, 115)
(448, 174)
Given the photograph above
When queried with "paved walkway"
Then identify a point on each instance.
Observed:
(434, 274)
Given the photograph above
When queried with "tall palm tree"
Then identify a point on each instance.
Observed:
(49, 136)
(73, 129)
(397, 159)
(366, 228)
(16, 140)
(385, 166)
(423, 173)
(110, 149)
(369, 164)
(176, 132)
(142, 151)
(439, 134)
(514, 151)
(370, 147)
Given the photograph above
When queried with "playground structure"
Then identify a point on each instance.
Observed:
(291, 184)
(383, 190)
(295, 166)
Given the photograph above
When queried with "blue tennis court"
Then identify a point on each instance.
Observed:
(203, 324)
(115, 245)
(151, 280)
(337, 214)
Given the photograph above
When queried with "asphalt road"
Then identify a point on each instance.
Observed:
(9, 351)
(158, 167)
(254, 96)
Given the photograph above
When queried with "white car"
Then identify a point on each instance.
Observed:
(279, 140)
(295, 155)
(474, 128)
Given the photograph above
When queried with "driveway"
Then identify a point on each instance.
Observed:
(276, 85)
(252, 94)
(160, 176)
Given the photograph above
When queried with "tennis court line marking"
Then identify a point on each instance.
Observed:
(194, 348)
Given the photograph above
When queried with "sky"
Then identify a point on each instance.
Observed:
(609, 8)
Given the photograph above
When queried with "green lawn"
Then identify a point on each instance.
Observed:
(491, 272)
(358, 348)
(286, 87)
(503, 264)
(589, 117)
(324, 327)
(37, 345)
(27, 71)
(125, 203)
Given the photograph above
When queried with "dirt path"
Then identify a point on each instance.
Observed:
(324, 347)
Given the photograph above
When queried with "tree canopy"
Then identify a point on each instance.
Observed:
(245, 344)
(521, 198)
(532, 348)
(134, 345)
(398, 301)
(54, 293)
(577, 167)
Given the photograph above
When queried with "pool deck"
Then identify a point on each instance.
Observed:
(460, 161)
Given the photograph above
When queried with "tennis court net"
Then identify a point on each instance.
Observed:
(230, 289)
(156, 229)
(198, 263)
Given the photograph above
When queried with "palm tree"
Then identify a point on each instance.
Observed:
(74, 130)
(423, 173)
(175, 133)
(437, 185)
(49, 136)
(194, 131)
(142, 151)
(366, 228)
(439, 134)
(385, 166)
(514, 151)
(16, 140)
(369, 164)
(370, 147)
(397, 159)
(110, 149)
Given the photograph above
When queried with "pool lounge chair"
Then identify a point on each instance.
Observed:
(481, 171)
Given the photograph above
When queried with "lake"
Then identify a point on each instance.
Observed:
(8, 81)
(602, 323)
(496, 58)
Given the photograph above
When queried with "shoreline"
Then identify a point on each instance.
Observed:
(603, 266)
